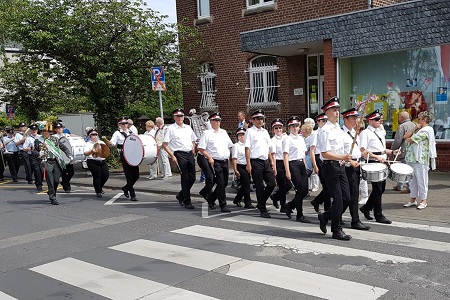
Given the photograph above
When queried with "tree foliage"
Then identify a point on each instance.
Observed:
(108, 48)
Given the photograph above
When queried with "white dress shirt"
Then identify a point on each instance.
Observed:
(277, 144)
(371, 142)
(295, 146)
(258, 141)
(180, 138)
(356, 152)
(216, 143)
(239, 153)
(331, 139)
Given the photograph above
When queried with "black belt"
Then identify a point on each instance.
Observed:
(377, 153)
(299, 160)
(220, 160)
(355, 159)
(185, 152)
(120, 146)
(331, 162)
(258, 159)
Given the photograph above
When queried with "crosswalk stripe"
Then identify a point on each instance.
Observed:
(371, 236)
(422, 227)
(299, 246)
(110, 283)
(278, 276)
(4, 296)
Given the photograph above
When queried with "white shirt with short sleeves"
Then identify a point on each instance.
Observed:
(370, 141)
(117, 138)
(259, 143)
(356, 152)
(29, 142)
(238, 152)
(295, 146)
(88, 147)
(331, 138)
(180, 138)
(277, 145)
(17, 137)
(216, 143)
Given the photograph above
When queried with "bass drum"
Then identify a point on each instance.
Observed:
(140, 149)
(76, 146)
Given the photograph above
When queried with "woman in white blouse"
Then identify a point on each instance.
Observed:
(96, 165)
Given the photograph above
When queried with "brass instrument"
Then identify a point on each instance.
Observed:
(43, 153)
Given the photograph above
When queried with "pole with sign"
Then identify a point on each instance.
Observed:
(159, 84)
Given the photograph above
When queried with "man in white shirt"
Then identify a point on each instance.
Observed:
(215, 146)
(35, 162)
(19, 139)
(179, 142)
(259, 161)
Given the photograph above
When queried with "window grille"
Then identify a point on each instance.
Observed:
(208, 85)
(263, 83)
(254, 3)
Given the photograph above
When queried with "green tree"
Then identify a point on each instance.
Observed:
(106, 46)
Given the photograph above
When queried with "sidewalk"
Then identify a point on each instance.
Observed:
(438, 195)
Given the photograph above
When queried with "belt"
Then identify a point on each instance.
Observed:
(299, 160)
(220, 160)
(120, 146)
(179, 151)
(378, 153)
(331, 162)
(258, 159)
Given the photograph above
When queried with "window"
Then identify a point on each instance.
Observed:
(203, 8)
(263, 82)
(208, 85)
(254, 3)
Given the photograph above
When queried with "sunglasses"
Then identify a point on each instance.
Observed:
(259, 118)
(295, 125)
(278, 128)
(94, 134)
(322, 120)
(377, 119)
(123, 123)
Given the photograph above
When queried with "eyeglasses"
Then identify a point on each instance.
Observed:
(322, 120)
(123, 123)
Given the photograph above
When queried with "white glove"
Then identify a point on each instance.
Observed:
(41, 153)
(71, 158)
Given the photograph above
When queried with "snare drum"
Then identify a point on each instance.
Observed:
(140, 149)
(374, 172)
(400, 172)
(76, 146)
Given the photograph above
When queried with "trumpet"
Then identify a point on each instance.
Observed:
(43, 152)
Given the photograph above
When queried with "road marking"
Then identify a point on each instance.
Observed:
(110, 283)
(45, 234)
(5, 182)
(360, 235)
(206, 215)
(296, 245)
(4, 296)
(419, 227)
(282, 277)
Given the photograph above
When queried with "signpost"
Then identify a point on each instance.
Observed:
(159, 84)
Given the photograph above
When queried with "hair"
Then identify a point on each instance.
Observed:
(306, 130)
(309, 121)
(150, 123)
(405, 114)
(159, 120)
(427, 116)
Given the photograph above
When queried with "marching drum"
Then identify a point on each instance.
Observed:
(76, 147)
(400, 172)
(140, 149)
(374, 172)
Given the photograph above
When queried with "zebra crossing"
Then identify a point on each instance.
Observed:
(141, 268)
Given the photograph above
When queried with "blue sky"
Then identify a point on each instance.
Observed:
(165, 7)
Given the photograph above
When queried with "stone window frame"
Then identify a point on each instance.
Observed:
(207, 78)
(263, 78)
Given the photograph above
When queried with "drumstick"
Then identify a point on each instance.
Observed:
(293, 186)
(179, 169)
(399, 149)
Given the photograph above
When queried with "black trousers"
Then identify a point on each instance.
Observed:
(262, 173)
(300, 180)
(221, 172)
(282, 182)
(374, 201)
(13, 160)
(52, 175)
(26, 160)
(100, 173)
(209, 177)
(36, 170)
(244, 180)
(131, 175)
(186, 161)
(66, 176)
(324, 195)
(339, 190)
(353, 182)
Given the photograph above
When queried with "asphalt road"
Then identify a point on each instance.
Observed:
(111, 248)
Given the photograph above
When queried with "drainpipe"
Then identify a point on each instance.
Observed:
(370, 3)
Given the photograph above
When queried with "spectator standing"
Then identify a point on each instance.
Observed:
(151, 131)
(163, 157)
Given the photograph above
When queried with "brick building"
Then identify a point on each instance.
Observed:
(288, 56)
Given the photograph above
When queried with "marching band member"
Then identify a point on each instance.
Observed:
(11, 154)
(277, 156)
(324, 196)
(215, 145)
(259, 160)
(352, 169)
(239, 166)
(179, 144)
(151, 131)
(68, 172)
(50, 153)
(96, 164)
(33, 156)
(331, 143)
(294, 151)
(131, 172)
(19, 139)
(373, 144)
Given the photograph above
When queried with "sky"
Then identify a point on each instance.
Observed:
(164, 7)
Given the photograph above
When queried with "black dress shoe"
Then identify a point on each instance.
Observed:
(302, 219)
(15, 180)
(125, 192)
(180, 200)
(340, 235)
(342, 223)
(366, 212)
(99, 195)
(282, 210)
(67, 191)
(237, 202)
(225, 209)
(266, 214)
(203, 194)
(211, 205)
(249, 206)
(323, 223)
(189, 206)
(316, 206)
(134, 198)
(275, 201)
(39, 189)
(54, 202)
(382, 219)
(30, 182)
(103, 191)
(358, 225)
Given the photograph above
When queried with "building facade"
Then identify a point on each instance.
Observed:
(288, 57)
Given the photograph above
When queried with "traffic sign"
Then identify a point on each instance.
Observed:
(158, 79)
(10, 111)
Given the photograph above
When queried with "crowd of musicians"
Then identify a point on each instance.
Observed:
(285, 160)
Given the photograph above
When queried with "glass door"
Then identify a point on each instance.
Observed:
(315, 84)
